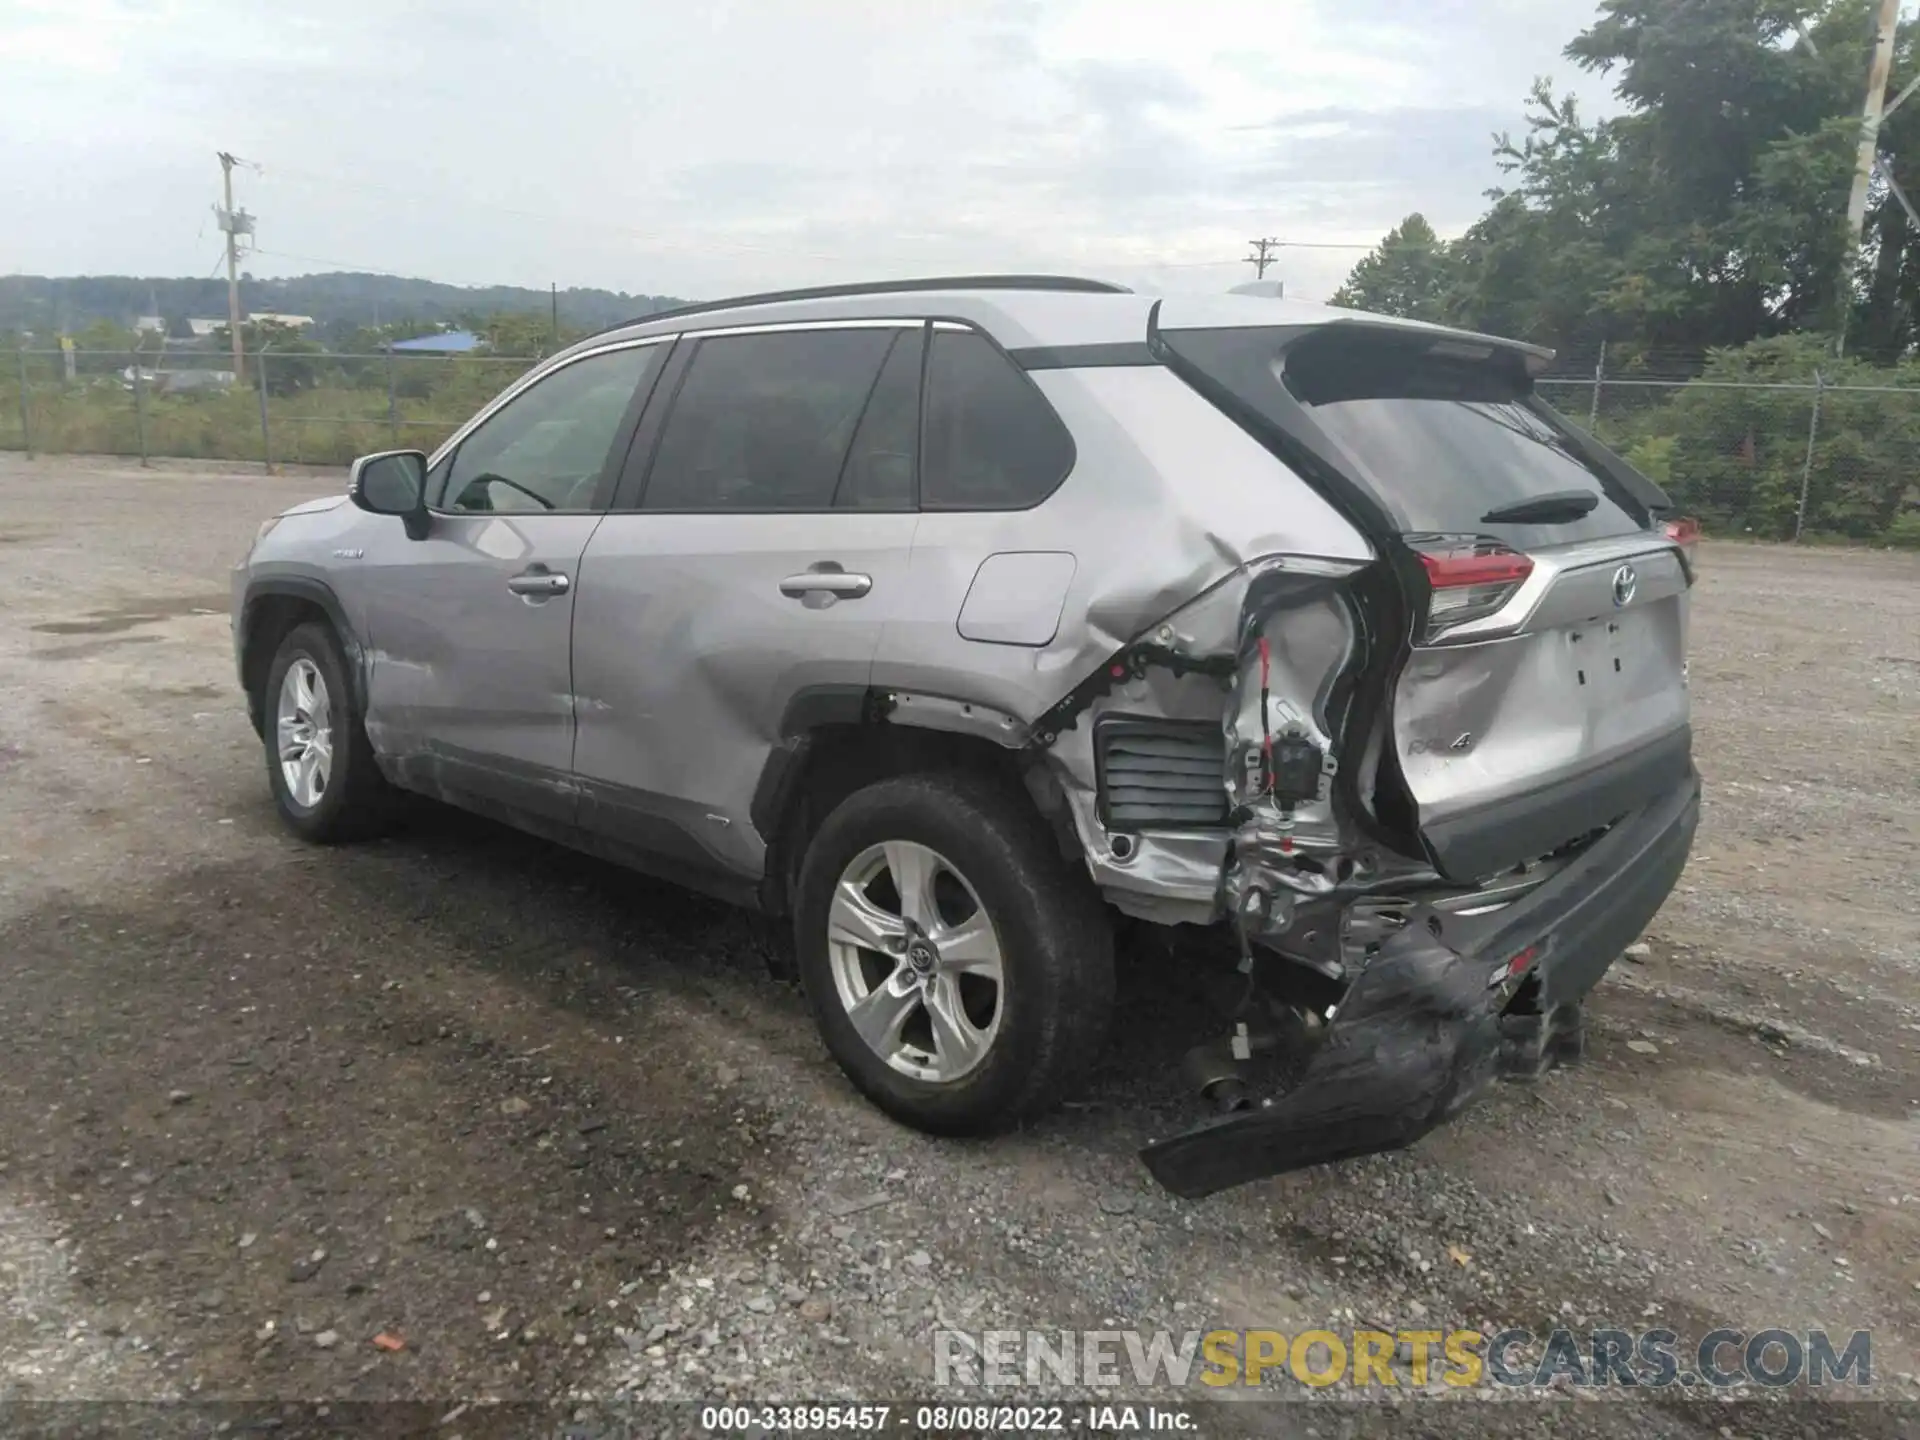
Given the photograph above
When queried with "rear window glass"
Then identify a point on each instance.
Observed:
(1441, 432)
(1444, 465)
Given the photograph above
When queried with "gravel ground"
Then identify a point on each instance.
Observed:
(554, 1130)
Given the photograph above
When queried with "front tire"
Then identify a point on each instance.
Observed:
(320, 764)
(960, 972)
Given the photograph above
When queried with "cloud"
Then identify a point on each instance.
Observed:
(754, 143)
(1435, 159)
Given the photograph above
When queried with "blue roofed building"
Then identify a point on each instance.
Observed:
(450, 342)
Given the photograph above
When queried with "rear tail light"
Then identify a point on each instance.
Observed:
(1470, 582)
(1685, 532)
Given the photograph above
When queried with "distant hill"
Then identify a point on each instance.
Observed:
(339, 301)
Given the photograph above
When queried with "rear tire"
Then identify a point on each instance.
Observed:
(320, 763)
(986, 981)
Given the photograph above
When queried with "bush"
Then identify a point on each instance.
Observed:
(1905, 530)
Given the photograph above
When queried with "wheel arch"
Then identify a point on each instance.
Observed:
(273, 607)
(836, 740)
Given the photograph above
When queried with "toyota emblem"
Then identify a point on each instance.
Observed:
(1625, 583)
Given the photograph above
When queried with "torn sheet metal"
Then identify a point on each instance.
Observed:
(1203, 664)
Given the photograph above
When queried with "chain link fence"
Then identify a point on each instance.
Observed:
(1793, 452)
(298, 407)
(1783, 458)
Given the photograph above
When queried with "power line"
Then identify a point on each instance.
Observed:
(1267, 246)
(356, 267)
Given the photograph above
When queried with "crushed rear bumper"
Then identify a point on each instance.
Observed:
(1418, 1035)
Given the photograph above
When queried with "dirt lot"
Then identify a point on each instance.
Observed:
(557, 1129)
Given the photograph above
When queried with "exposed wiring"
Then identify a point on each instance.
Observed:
(1266, 726)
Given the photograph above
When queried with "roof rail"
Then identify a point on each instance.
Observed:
(1069, 283)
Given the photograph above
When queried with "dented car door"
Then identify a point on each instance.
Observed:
(471, 687)
(761, 532)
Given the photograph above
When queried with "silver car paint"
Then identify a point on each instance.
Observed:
(303, 543)
(459, 664)
(1017, 597)
(1142, 547)
(684, 654)
(1561, 680)
(687, 653)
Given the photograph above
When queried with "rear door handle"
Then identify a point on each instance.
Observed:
(837, 583)
(538, 581)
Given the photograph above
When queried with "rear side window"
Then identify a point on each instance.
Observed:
(992, 440)
(765, 422)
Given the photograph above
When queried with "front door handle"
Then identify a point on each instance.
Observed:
(838, 584)
(537, 581)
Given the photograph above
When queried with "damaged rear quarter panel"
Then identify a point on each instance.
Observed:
(1168, 502)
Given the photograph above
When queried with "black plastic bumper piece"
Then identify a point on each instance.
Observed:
(1418, 1035)
(1495, 837)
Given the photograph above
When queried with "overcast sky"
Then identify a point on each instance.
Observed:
(744, 144)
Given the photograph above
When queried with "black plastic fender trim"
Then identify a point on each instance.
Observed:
(268, 586)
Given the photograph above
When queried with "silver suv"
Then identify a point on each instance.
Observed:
(946, 619)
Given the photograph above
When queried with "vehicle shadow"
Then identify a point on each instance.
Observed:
(1174, 989)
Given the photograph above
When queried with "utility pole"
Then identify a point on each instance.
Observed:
(1870, 113)
(553, 287)
(1261, 257)
(236, 223)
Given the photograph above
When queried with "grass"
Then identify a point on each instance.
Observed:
(326, 423)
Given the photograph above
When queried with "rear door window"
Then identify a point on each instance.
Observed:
(764, 422)
(992, 440)
(880, 470)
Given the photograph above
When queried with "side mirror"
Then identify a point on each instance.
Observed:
(393, 482)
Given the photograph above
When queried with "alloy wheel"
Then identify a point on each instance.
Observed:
(916, 961)
(304, 733)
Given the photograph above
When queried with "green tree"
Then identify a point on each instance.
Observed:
(523, 333)
(293, 362)
(1726, 176)
(103, 348)
(1407, 275)
(1709, 211)
(1735, 452)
